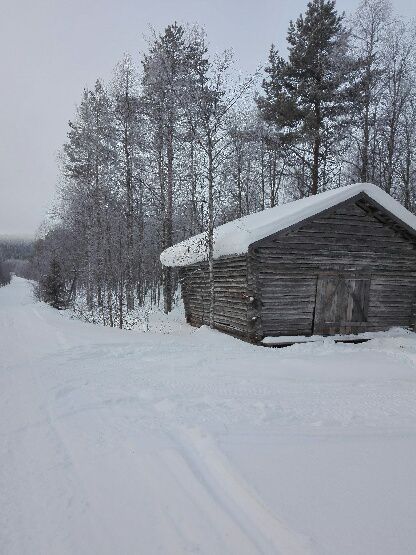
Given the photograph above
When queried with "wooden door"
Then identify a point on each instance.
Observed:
(341, 304)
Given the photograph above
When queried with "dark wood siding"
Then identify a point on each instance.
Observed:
(349, 238)
(231, 294)
(341, 304)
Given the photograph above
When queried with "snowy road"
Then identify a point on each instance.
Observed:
(194, 442)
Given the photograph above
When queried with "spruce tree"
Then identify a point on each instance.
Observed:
(53, 290)
(5, 276)
(310, 96)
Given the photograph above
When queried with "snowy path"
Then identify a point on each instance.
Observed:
(193, 442)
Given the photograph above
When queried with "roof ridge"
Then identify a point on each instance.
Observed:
(235, 237)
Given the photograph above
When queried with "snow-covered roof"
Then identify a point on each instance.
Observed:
(235, 237)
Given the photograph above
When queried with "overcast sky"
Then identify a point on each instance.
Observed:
(51, 49)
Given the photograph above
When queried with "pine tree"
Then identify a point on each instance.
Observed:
(310, 96)
(127, 127)
(163, 72)
(89, 161)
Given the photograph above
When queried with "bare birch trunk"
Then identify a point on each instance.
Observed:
(211, 233)
(168, 215)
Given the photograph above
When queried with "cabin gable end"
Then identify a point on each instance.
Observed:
(364, 202)
(355, 249)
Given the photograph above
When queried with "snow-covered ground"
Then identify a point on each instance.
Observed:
(194, 442)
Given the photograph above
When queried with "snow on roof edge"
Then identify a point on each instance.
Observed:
(235, 237)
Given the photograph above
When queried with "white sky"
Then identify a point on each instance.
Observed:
(51, 49)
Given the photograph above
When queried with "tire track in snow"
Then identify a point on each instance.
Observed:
(179, 508)
(268, 533)
(186, 472)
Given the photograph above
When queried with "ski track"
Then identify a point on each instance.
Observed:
(109, 439)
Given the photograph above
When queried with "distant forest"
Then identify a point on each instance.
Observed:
(178, 142)
(16, 257)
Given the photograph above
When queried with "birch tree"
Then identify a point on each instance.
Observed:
(369, 25)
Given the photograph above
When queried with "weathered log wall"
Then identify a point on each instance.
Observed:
(272, 290)
(352, 237)
(231, 294)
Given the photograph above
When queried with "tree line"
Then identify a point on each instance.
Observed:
(15, 258)
(180, 143)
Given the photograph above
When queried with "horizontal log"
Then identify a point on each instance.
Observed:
(347, 237)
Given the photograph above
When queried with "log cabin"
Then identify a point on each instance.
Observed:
(340, 262)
